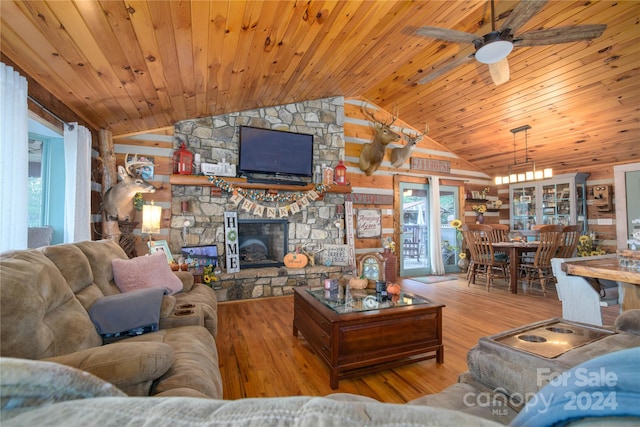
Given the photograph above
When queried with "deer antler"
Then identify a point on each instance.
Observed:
(394, 117)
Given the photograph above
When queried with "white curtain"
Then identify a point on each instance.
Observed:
(435, 241)
(77, 203)
(14, 159)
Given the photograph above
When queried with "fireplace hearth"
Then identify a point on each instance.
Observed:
(262, 242)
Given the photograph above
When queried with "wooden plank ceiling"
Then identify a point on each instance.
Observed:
(137, 65)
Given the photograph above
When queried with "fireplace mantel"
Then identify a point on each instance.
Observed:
(203, 181)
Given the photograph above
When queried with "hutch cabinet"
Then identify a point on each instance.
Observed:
(558, 200)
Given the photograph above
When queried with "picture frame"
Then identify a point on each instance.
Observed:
(476, 195)
(160, 246)
(368, 223)
(201, 255)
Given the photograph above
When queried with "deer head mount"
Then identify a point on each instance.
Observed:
(117, 200)
(373, 152)
(400, 154)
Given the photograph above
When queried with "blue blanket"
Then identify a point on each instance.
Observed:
(128, 313)
(607, 386)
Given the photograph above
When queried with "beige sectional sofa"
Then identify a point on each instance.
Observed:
(46, 296)
(45, 299)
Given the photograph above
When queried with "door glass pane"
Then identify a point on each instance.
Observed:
(414, 245)
(450, 244)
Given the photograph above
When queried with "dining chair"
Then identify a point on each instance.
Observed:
(500, 233)
(569, 241)
(478, 238)
(539, 269)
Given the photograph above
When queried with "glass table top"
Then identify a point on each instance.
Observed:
(359, 300)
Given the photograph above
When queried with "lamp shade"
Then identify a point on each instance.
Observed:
(151, 218)
(493, 52)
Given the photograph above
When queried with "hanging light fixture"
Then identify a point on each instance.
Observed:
(524, 171)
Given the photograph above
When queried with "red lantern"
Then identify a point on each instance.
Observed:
(340, 174)
(182, 161)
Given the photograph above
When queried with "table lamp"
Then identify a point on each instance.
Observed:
(151, 219)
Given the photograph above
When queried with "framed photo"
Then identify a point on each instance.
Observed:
(160, 245)
(476, 195)
(201, 256)
(147, 171)
(526, 199)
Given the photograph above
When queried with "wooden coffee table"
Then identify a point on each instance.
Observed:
(358, 339)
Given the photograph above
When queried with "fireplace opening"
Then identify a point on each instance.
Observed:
(262, 242)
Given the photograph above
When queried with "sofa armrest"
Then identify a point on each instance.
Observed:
(127, 365)
(186, 278)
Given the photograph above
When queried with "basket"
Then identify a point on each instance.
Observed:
(356, 283)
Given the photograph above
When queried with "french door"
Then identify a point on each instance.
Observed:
(415, 223)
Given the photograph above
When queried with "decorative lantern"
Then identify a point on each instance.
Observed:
(182, 161)
(340, 174)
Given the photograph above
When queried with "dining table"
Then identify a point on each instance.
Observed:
(608, 267)
(514, 250)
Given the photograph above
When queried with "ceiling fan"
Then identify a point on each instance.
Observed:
(493, 48)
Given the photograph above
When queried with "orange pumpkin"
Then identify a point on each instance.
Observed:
(393, 289)
(295, 260)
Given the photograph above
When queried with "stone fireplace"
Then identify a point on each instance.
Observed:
(309, 228)
(262, 242)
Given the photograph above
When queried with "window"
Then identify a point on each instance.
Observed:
(46, 179)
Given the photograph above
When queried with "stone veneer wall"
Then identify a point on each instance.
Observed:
(215, 138)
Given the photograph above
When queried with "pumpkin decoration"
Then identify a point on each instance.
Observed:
(295, 260)
(393, 289)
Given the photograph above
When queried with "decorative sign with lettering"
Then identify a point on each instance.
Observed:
(431, 165)
(336, 254)
(368, 223)
(370, 199)
(231, 242)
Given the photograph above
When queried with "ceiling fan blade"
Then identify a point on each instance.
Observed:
(522, 13)
(446, 34)
(560, 35)
(499, 72)
(446, 68)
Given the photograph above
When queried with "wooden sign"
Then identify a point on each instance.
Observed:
(348, 220)
(431, 165)
(231, 242)
(336, 254)
(370, 199)
(368, 223)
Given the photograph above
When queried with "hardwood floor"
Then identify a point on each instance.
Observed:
(259, 357)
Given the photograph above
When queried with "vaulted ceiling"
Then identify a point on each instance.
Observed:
(137, 65)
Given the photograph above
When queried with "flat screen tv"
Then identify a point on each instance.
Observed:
(273, 152)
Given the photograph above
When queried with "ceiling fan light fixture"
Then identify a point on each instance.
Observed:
(494, 51)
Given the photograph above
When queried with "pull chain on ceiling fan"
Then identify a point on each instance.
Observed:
(493, 48)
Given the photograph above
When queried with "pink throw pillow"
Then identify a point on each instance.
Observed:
(151, 271)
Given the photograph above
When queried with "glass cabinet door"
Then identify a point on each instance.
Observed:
(523, 207)
(556, 204)
(560, 200)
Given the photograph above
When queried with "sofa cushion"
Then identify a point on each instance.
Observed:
(130, 366)
(28, 384)
(629, 321)
(195, 362)
(144, 272)
(39, 314)
(606, 386)
(100, 254)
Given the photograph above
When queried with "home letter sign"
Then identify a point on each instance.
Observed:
(232, 253)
